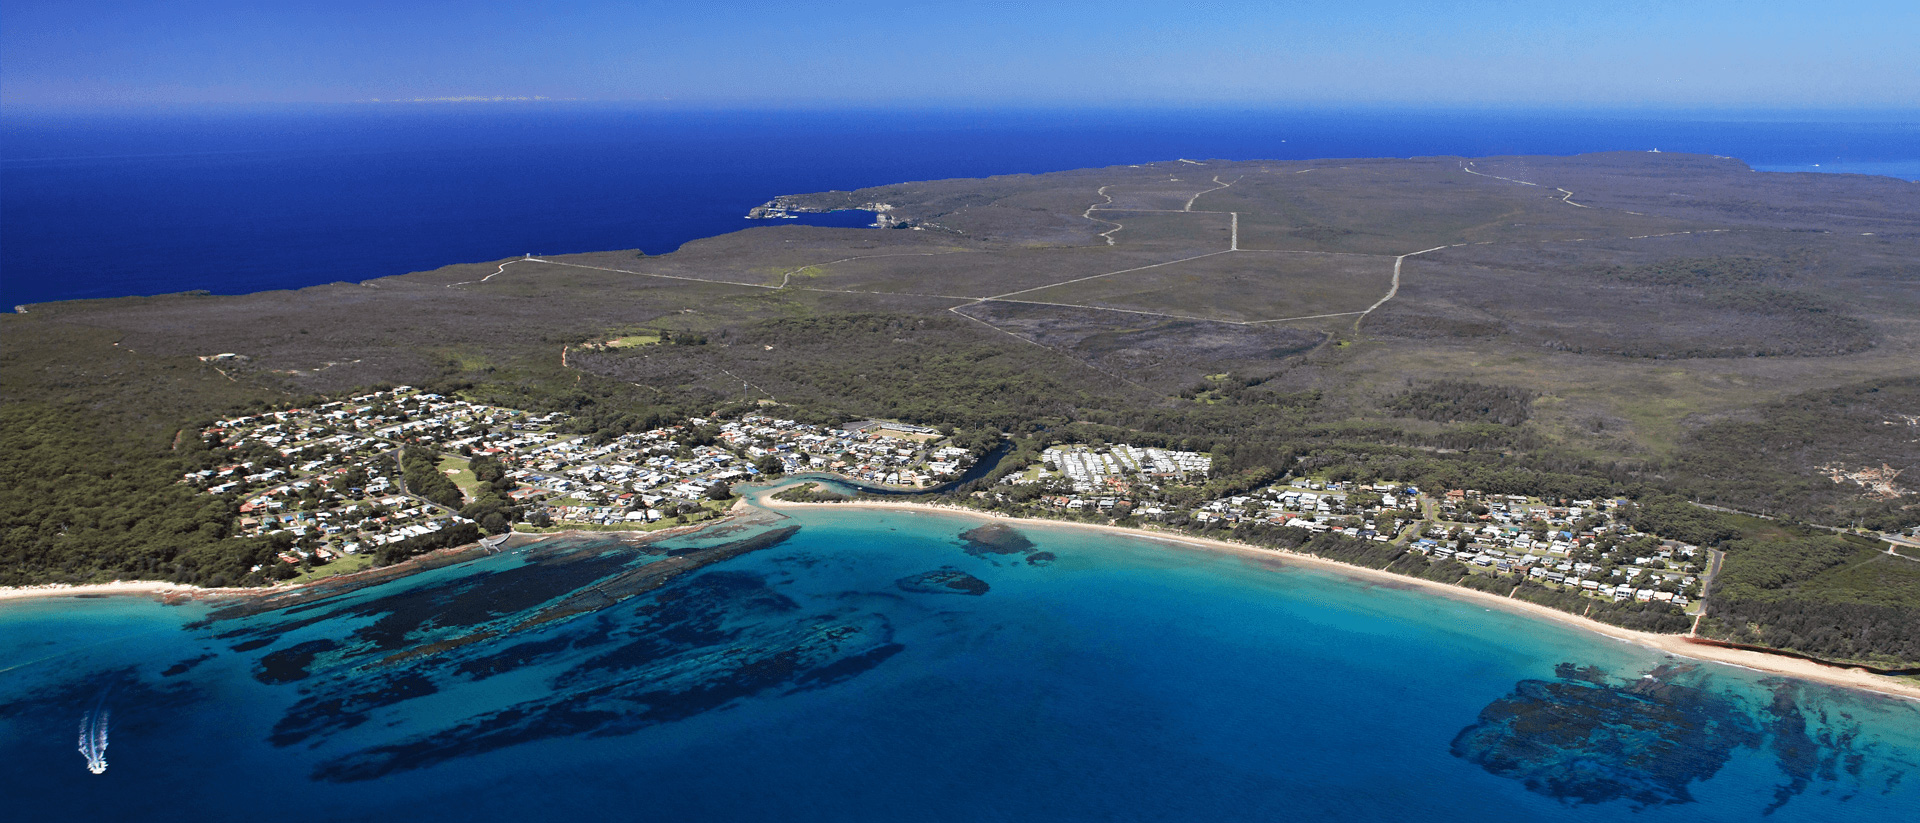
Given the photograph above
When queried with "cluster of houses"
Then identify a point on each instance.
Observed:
(1090, 470)
(634, 479)
(329, 475)
(1576, 544)
(876, 451)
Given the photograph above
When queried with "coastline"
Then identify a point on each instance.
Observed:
(175, 592)
(762, 499)
(160, 588)
(1676, 645)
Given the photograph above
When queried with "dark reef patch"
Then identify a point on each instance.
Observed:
(290, 664)
(844, 669)
(699, 645)
(1040, 558)
(513, 657)
(483, 597)
(326, 713)
(800, 560)
(551, 572)
(697, 615)
(627, 639)
(187, 665)
(560, 579)
(1583, 738)
(653, 575)
(1580, 740)
(1573, 671)
(1812, 745)
(948, 580)
(995, 538)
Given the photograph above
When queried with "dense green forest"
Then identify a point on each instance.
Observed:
(1670, 515)
(876, 370)
(1830, 596)
(80, 502)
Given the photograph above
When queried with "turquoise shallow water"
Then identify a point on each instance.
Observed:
(879, 666)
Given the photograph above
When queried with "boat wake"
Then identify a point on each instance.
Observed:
(93, 735)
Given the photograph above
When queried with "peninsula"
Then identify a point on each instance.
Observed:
(1660, 391)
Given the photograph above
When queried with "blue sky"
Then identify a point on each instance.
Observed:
(823, 53)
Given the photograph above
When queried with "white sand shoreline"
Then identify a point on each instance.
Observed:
(1676, 645)
(165, 589)
(153, 587)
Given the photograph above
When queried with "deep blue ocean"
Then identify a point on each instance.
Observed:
(891, 666)
(234, 201)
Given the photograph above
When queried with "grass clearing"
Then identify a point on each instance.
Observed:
(345, 565)
(457, 469)
(646, 338)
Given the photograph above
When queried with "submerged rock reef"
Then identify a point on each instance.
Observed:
(571, 613)
(996, 539)
(1584, 737)
(946, 580)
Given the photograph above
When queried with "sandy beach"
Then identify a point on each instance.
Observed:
(1676, 645)
(159, 588)
(163, 589)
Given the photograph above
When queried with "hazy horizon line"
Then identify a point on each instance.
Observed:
(1662, 110)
